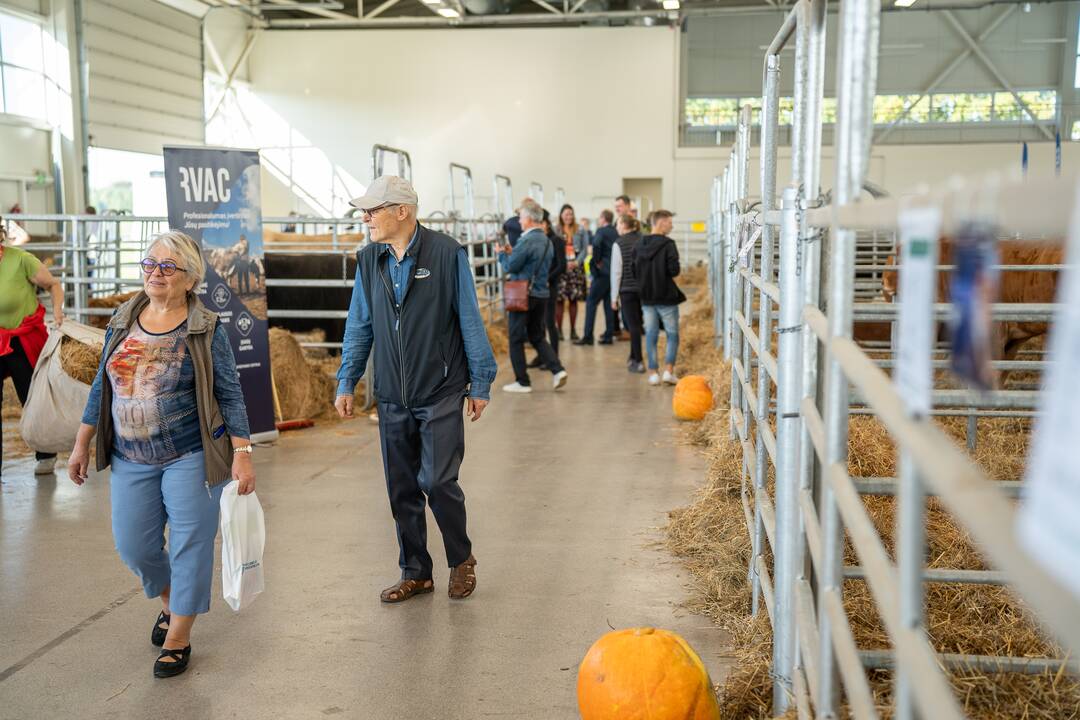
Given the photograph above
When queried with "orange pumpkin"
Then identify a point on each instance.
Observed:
(693, 399)
(644, 674)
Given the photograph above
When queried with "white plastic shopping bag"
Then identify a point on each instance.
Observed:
(243, 534)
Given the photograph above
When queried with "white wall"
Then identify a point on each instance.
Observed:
(534, 104)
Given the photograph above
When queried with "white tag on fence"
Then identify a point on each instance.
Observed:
(1048, 526)
(916, 331)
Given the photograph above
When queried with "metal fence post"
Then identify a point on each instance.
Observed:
(856, 83)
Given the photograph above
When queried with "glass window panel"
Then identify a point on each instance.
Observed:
(920, 109)
(888, 108)
(20, 41)
(1006, 108)
(975, 107)
(943, 107)
(828, 110)
(1075, 134)
(24, 92)
(1042, 102)
(711, 112)
(787, 111)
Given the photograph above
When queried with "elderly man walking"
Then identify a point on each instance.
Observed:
(414, 305)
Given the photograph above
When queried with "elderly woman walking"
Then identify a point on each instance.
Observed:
(169, 415)
(22, 324)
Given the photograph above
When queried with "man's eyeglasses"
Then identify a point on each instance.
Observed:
(371, 213)
(168, 268)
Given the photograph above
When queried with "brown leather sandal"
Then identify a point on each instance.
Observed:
(405, 589)
(463, 579)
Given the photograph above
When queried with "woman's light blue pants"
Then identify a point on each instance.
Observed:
(147, 497)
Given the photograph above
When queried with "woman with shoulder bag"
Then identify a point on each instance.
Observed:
(526, 294)
(170, 419)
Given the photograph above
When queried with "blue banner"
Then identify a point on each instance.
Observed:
(213, 196)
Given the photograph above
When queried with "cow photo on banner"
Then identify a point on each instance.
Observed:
(213, 196)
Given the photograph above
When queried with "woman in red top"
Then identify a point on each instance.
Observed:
(22, 324)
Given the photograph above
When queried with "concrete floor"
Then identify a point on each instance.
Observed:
(565, 491)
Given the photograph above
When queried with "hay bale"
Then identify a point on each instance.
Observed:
(498, 336)
(301, 392)
(79, 360)
(108, 301)
(694, 277)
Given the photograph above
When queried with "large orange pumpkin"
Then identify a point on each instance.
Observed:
(644, 674)
(693, 399)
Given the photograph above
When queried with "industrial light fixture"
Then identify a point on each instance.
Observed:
(432, 2)
(904, 3)
(671, 4)
(449, 12)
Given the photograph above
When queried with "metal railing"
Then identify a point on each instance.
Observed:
(770, 258)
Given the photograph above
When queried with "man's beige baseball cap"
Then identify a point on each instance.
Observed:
(386, 190)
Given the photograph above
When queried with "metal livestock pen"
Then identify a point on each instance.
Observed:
(774, 256)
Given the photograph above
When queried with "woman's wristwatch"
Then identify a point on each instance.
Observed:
(243, 449)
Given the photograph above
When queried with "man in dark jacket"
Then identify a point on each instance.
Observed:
(624, 286)
(414, 305)
(656, 264)
(600, 283)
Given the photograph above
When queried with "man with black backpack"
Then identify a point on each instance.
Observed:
(657, 265)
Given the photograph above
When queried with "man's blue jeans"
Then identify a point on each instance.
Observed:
(654, 316)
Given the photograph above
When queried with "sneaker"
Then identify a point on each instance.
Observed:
(559, 380)
(516, 387)
(670, 379)
(654, 379)
(45, 467)
(636, 367)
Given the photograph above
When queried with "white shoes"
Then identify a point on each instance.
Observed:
(670, 379)
(559, 380)
(45, 467)
(516, 387)
(654, 379)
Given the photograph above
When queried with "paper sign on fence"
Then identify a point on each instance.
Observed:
(1049, 520)
(914, 374)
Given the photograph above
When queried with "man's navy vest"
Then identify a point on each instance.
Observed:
(418, 349)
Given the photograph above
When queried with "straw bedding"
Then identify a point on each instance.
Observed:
(711, 539)
(109, 301)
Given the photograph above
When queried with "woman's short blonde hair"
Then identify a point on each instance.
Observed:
(185, 251)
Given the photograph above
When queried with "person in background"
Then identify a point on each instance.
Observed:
(572, 287)
(623, 206)
(414, 305)
(169, 415)
(656, 265)
(530, 260)
(22, 325)
(600, 285)
(512, 228)
(624, 286)
(555, 273)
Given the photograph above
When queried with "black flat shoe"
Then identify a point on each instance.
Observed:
(157, 636)
(171, 669)
(605, 341)
(583, 341)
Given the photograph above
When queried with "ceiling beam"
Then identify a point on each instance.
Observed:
(995, 73)
(548, 6)
(312, 8)
(380, 10)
